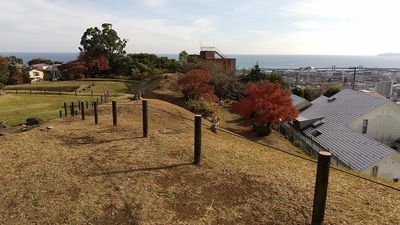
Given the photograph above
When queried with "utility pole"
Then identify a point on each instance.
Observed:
(354, 76)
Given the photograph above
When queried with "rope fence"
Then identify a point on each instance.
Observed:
(323, 162)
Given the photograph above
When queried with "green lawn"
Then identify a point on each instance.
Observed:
(70, 86)
(15, 109)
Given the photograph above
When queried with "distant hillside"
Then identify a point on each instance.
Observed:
(390, 54)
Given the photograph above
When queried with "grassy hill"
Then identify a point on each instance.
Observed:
(162, 87)
(16, 108)
(81, 173)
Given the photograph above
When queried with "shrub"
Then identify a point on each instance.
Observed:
(205, 108)
(263, 130)
(298, 144)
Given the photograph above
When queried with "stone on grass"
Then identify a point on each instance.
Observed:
(3, 125)
(34, 121)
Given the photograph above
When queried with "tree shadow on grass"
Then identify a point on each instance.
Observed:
(88, 140)
(155, 168)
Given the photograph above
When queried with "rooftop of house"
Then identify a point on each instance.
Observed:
(373, 93)
(326, 122)
(299, 103)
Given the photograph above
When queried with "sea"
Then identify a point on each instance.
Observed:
(268, 61)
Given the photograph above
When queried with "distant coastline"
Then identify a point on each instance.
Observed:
(267, 61)
(390, 54)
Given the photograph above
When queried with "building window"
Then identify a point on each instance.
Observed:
(364, 126)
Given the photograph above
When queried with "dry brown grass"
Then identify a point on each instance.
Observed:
(81, 173)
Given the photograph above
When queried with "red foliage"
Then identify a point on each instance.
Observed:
(93, 64)
(85, 64)
(197, 84)
(266, 104)
(3, 61)
(73, 70)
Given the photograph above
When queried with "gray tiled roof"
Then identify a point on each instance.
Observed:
(299, 103)
(351, 147)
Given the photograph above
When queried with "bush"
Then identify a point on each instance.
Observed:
(262, 130)
(298, 144)
(205, 108)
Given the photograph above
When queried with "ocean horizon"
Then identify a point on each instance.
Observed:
(269, 61)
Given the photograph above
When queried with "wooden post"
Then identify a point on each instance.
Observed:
(65, 108)
(82, 110)
(60, 113)
(197, 139)
(321, 188)
(145, 119)
(96, 115)
(114, 112)
(72, 109)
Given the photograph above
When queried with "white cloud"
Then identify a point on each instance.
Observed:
(144, 35)
(155, 3)
(310, 24)
(307, 27)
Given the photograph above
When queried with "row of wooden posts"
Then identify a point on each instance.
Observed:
(81, 105)
(324, 158)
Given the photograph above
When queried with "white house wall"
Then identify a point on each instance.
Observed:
(383, 123)
(32, 74)
(388, 168)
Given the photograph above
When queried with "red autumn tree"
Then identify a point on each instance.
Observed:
(94, 65)
(73, 70)
(266, 104)
(197, 84)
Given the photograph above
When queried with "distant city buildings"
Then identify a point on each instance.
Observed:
(385, 81)
(384, 88)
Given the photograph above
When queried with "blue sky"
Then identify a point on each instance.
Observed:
(326, 27)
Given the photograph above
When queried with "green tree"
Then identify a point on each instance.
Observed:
(40, 60)
(276, 78)
(183, 56)
(254, 75)
(331, 91)
(298, 91)
(13, 60)
(311, 94)
(104, 42)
